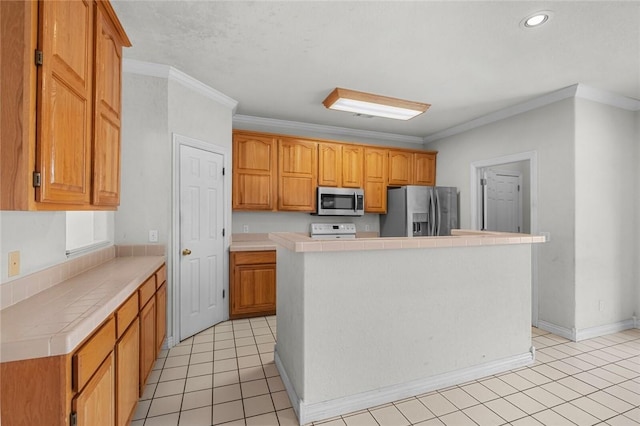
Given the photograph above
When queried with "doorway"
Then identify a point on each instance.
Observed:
(502, 200)
(199, 242)
(525, 164)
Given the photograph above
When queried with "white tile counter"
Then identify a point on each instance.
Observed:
(56, 320)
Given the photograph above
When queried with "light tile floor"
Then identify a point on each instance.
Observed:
(226, 375)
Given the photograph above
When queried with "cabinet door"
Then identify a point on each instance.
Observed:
(352, 172)
(329, 164)
(95, 405)
(64, 111)
(298, 176)
(161, 317)
(375, 180)
(107, 106)
(400, 168)
(254, 288)
(147, 341)
(425, 173)
(254, 172)
(127, 374)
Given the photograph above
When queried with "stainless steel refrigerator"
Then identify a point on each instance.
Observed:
(415, 211)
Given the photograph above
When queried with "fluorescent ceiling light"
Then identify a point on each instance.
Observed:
(370, 104)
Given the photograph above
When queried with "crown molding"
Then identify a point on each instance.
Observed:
(580, 91)
(133, 66)
(274, 125)
(607, 98)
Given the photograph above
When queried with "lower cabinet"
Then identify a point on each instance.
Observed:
(95, 404)
(101, 381)
(252, 290)
(128, 373)
(147, 341)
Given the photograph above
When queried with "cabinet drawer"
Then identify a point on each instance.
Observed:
(161, 276)
(254, 257)
(147, 290)
(89, 357)
(126, 314)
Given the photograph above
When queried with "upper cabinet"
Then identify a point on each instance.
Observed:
(297, 174)
(61, 135)
(400, 167)
(329, 164)
(254, 172)
(352, 166)
(425, 168)
(281, 173)
(375, 180)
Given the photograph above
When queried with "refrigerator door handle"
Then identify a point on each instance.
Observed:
(438, 213)
(432, 215)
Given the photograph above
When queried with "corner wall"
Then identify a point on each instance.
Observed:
(548, 130)
(154, 108)
(606, 217)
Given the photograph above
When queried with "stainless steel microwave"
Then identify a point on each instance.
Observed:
(340, 201)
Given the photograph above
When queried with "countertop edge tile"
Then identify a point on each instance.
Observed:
(122, 275)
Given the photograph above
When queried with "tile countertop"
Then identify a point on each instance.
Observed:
(55, 321)
(460, 238)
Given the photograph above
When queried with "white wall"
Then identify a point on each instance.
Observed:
(637, 310)
(549, 131)
(154, 108)
(606, 214)
(39, 236)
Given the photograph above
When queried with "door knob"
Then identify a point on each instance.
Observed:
(186, 252)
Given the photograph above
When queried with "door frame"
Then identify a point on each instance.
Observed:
(475, 189)
(173, 256)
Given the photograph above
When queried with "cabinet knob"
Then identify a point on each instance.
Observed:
(186, 252)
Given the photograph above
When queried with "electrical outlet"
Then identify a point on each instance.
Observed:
(366, 227)
(547, 236)
(601, 305)
(153, 236)
(14, 263)
(245, 228)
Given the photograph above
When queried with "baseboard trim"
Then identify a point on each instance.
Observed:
(558, 330)
(601, 330)
(589, 333)
(308, 413)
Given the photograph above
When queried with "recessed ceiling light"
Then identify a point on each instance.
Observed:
(536, 19)
(376, 105)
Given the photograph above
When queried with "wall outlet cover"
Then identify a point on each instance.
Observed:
(14, 263)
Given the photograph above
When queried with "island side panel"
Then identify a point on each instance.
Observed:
(374, 319)
(290, 318)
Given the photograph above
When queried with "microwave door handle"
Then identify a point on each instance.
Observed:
(355, 202)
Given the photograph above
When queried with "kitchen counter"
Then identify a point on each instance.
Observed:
(56, 320)
(392, 318)
(251, 242)
(299, 242)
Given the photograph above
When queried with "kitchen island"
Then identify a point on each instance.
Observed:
(363, 322)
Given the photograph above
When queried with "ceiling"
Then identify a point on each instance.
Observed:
(279, 60)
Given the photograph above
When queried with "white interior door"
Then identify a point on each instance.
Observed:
(201, 240)
(503, 206)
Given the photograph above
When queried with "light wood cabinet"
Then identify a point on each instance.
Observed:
(352, 166)
(425, 168)
(400, 168)
(95, 404)
(107, 111)
(375, 180)
(161, 316)
(254, 172)
(329, 164)
(147, 341)
(297, 174)
(99, 383)
(253, 284)
(127, 374)
(297, 166)
(61, 112)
